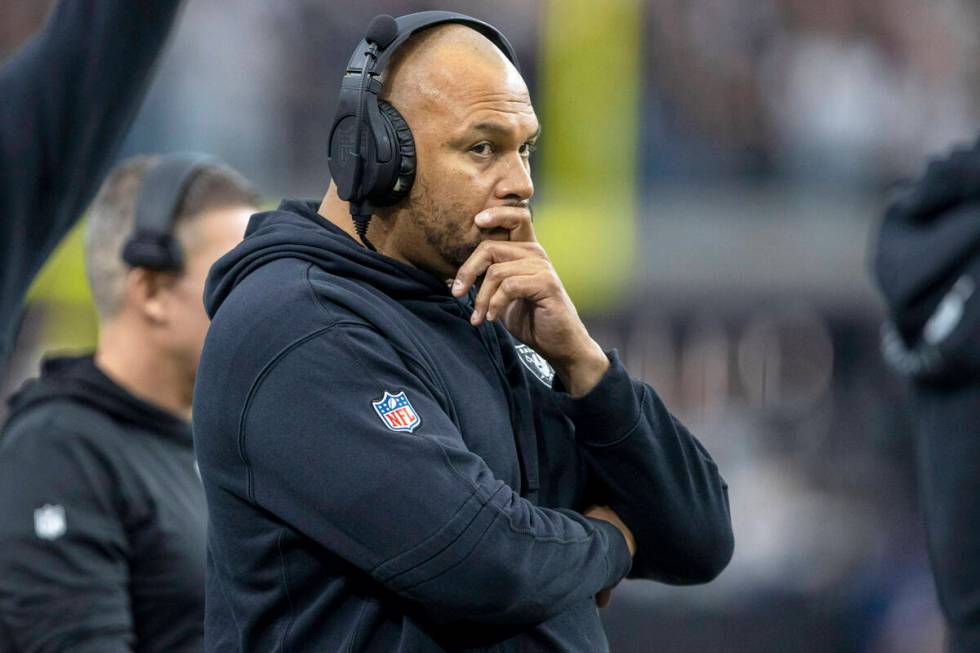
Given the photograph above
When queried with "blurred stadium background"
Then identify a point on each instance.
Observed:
(709, 175)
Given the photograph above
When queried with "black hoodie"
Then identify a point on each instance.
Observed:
(102, 520)
(383, 476)
(927, 265)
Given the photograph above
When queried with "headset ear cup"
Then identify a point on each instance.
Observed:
(404, 176)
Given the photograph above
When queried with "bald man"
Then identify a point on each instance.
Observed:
(417, 446)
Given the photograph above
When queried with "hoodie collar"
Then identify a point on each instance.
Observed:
(296, 230)
(79, 379)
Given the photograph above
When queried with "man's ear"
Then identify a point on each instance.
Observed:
(146, 292)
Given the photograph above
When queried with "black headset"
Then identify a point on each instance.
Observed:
(153, 244)
(372, 153)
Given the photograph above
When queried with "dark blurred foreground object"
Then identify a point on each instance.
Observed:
(69, 96)
(928, 266)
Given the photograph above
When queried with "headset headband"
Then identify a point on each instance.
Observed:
(413, 23)
(152, 244)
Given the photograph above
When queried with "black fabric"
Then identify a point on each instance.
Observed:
(119, 563)
(333, 530)
(948, 451)
(69, 97)
(927, 265)
(929, 242)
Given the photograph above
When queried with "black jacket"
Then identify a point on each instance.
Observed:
(382, 476)
(927, 265)
(68, 98)
(102, 520)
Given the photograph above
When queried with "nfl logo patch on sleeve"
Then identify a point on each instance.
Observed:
(396, 411)
(50, 522)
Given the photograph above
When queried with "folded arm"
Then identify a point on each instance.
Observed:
(416, 509)
(656, 476)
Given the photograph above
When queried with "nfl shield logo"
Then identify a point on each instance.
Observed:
(50, 522)
(396, 412)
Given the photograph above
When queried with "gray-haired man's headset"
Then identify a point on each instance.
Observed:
(153, 244)
(372, 153)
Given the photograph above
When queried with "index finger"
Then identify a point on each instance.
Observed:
(516, 219)
(487, 253)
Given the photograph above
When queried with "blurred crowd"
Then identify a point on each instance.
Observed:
(847, 91)
(854, 92)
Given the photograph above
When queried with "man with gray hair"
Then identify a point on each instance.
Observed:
(102, 514)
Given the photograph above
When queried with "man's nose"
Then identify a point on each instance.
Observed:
(516, 183)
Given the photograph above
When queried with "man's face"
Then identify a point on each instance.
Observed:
(474, 133)
(211, 236)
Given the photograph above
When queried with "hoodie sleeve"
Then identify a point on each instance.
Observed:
(64, 573)
(656, 476)
(927, 267)
(69, 97)
(414, 508)
(948, 466)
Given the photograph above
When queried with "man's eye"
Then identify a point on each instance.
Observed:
(528, 149)
(482, 149)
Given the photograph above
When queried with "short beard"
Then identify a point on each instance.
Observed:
(447, 237)
(446, 229)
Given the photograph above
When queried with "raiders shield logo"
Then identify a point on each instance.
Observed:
(396, 411)
(534, 362)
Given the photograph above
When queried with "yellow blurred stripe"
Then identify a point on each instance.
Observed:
(62, 289)
(590, 96)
